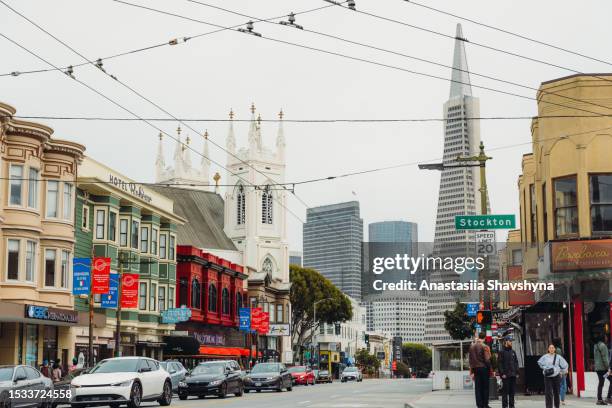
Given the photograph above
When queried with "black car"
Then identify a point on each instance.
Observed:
(268, 376)
(211, 378)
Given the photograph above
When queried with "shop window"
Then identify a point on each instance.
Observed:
(52, 198)
(161, 298)
(144, 239)
(100, 217)
(49, 267)
(112, 226)
(152, 300)
(67, 202)
(171, 248)
(16, 186)
(31, 351)
(196, 295)
(33, 188)
(135, 226)
(183, 289)
(225, 301)
(12, 271)
(64, 268)
(566, 206)
(212, 298)
(30, 261)
(123, 232)
(162, 245)
(154, 233)
(601, 203)
(142, 296)
(171, 297)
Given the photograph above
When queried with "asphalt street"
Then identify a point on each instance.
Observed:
(367, 394)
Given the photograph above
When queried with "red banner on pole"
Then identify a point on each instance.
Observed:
(129, 291)
(256, 313)
(264, 324)
(100, 268)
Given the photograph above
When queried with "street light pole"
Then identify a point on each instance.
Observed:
(118, 317)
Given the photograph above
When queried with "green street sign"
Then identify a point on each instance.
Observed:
(485, 222)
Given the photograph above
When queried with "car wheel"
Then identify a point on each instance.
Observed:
(5, 401)
(240, 391)
(182, 397)
(166, 398)
(223, 390)
(257, 390)
(201, 396)
(135, 396)
(290, 388)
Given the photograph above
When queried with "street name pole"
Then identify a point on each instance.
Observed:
(118, 317)
(91, 311)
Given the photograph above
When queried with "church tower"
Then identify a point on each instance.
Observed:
(183, 173)
(255, 206)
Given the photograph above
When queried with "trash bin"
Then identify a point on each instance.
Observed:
(493, 388)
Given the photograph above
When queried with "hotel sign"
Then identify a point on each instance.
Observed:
(131, 188)
(572, 256)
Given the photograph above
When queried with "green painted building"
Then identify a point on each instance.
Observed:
(121, 220)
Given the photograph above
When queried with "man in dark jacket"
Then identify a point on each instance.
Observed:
(480, 362)
(508, 371)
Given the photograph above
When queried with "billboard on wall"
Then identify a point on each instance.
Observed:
(579, 255)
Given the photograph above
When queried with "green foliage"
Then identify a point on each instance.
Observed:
(368, 362)
(403, 370)
(307, 287)
(417, 357)
(458, 324)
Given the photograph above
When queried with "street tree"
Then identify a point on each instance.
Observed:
(368, 362)
(417, 357)
(307, 287)
(458, 324)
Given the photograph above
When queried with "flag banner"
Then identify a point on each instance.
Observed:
(255, 318)
(101, 275)
(81, 276)
(109, 300)
(129, 291)
(244, 316)
(264, 324)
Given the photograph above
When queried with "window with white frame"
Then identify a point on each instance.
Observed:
(152, 300)
(171, 247)
(33, 188)
(16, 184)
(100, 223)
(154, 234)
(112, 226)
(30, 261)
(135, 227)
(64, 269)
(144, 239)
(163, 245)
(50, 255)
(123, 232)
(67, 202)
(240, 206)
(52, 198)
(12, 266)
(266, 207)
(171, 297)
(142, 296)
(161, 298)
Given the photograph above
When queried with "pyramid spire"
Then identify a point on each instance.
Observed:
(178, 155)
(253, 144)
(205, 162)
(460, 79)
(280, 137)
(230, 142)
(160, 163)
(187, 155)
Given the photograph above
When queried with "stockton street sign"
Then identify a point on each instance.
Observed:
(481, 222)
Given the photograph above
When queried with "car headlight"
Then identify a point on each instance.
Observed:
(122, 384)
(216, 382)
(271, 378)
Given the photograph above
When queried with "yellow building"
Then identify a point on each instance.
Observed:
(565, 193)
(37, 174)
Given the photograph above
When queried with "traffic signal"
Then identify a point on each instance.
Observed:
(484, 317)
(366, 337)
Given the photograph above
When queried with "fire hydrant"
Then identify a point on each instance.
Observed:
(447, 383)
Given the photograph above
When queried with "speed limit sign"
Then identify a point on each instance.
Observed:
(485, 243)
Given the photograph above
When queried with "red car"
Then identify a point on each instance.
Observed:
(302, 375)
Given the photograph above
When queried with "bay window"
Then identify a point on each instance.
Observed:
(50, 267)
(279, 313)
(162, 245)
(123, 232)
(67, 202)
(12, 271)
(161, 298)
(144, 239)
(566, 206)
(171, 297)
(100, 218)
(16, 184)
(601, 202)
(33, 188)
(64, 269)
(30, 263)
(112, 226)
(171, 248)
(52, 198)
(154, 233)
(153, 293)
(135, 234)
(142, 296)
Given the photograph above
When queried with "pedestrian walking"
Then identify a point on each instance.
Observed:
(508, 371)
(602, 366)
(563, 386)
(44, 369)
(56, 373)
(552, 365)
(480, 364)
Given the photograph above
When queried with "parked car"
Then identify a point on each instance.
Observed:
(302, 375)
(123, 381)
(64, 384)
(268, 376)
(212, 378)
(351, 374)
(324, 377)
(177, 372)
(17, 379)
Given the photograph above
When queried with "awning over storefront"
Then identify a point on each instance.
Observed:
(225, 351)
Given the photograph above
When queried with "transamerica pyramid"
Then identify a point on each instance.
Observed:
(459, 187)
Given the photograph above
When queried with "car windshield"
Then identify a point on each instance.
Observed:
(298, 369)
(349, 369)
(120, 365)
(6, 373)
(266, 368)
(208, 369)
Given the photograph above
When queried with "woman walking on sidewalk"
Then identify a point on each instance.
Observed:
(553, 366)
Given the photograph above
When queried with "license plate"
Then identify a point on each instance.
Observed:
(258, 384)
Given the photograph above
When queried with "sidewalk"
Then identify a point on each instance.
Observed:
(465, 399)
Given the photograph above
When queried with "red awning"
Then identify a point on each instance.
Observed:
(224, 351)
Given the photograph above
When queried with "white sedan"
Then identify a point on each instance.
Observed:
(122, 381)
(351, 374)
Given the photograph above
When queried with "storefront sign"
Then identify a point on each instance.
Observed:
(279, 329)
(264, 324)
(581, 255)
(51, 314)
(109, 300)
(81, 272)
(175, 315)
(206, 338)
(244, 317)
(132, 188)
(129, 290)
(101, 275)
(256, 314)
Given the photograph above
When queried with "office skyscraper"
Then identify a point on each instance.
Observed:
(393, 231)
(332, 245)
(459, 193)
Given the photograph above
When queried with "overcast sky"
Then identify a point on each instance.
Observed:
(207, 76)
